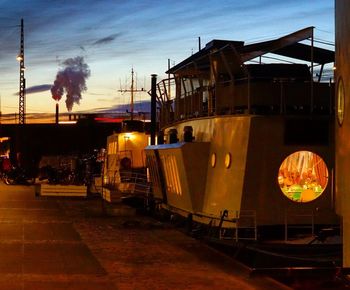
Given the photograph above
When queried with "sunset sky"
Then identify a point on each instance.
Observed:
(113, 36)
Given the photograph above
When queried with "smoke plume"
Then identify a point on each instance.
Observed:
(71, 80)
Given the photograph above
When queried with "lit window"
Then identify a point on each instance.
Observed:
(213, 160)
(171, 174)
(228, 160)
(341, 101)
(303, 176)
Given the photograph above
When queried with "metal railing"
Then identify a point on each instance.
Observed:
(141, 185)
(133, 183)
(252, 96)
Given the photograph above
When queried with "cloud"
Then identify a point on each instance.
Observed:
(139, 107)
(36, 89)
(107, 39)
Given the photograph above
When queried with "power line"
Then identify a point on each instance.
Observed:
(318, 40)
(325, 31)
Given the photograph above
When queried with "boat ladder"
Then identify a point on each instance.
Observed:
(238, 225)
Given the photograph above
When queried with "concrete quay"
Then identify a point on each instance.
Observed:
(72, 243)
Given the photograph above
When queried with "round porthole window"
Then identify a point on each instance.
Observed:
(303, 176)
(213, 160)
(228, 160)
(340, 101)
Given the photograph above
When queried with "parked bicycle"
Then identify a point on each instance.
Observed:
(81, 173)
(17, 175)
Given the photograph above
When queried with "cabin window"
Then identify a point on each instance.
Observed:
(186, 87)
(213, 160)
(303, 176)
(228, 158)
(196, 84)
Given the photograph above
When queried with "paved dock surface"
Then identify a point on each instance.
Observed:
(52, 243)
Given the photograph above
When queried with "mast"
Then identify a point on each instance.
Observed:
(132, 91)
(132, 95)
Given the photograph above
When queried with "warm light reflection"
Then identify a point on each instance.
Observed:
(228, 158)
(149, 141)
(67, 122)
(128, 136)
(171, 173)
(303, 176)
(213, 160)
(341, 101)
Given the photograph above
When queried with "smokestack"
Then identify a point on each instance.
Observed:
(153, 108)
(57, 113)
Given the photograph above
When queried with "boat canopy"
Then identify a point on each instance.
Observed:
(286, 46)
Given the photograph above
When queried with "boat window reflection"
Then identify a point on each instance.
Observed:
(303, 176)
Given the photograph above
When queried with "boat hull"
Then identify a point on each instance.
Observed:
(201, 180)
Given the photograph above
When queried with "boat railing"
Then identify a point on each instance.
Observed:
(248, 96)
(298, 222)
(140, 186)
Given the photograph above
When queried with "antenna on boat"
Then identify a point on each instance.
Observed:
(132, 90)
(132, 94)
(199, 43)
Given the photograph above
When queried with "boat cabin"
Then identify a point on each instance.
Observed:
(230, 77)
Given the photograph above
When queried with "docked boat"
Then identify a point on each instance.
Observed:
(342, 129)
(248, 144)
(124, 170)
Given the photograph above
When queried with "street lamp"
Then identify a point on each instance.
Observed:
(22, 81)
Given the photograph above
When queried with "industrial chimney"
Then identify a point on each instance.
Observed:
(57, 112)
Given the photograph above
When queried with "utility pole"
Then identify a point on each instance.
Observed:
(22, 80)
(132, 91)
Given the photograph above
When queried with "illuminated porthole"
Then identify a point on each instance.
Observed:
(227, 160)
(340, 101)
(303, 176)
(213, 160)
